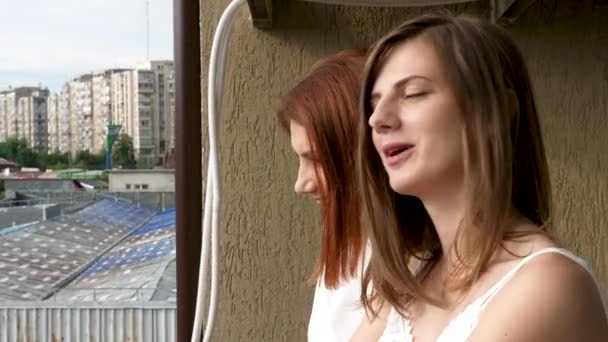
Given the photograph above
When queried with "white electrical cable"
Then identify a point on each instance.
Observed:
(212, 191)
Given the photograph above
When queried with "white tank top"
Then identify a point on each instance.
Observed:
(336, 313)
(460, 328)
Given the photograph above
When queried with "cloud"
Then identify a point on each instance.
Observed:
(72, 36)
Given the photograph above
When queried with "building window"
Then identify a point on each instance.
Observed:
(128, 186)
(137, 186)
(144, 186)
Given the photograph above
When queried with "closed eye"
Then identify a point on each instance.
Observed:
(415, 95)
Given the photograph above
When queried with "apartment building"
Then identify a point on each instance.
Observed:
(132, 107)
(53, 122)
(80, 90)
(64, 120)
(24, 114)
(7, 104)
(164, 104)
(102, 105)
(140, 99)
(32, 115)
(8, 115)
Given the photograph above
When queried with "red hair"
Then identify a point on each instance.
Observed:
(325, 103)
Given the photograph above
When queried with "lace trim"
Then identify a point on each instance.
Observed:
(398, 329)
(457, 330)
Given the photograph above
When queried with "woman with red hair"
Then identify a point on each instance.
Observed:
(321, 115)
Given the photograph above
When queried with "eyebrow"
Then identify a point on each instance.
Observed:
(402, 82)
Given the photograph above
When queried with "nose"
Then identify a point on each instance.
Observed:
(307, 180)
(384, 117)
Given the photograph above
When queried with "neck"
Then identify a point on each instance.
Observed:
(446, 209)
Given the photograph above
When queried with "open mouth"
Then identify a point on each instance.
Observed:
(396, 149)
(396, 153)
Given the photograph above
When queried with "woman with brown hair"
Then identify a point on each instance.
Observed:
(457, 197)
(321, 115)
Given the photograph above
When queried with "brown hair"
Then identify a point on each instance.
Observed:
(325, 102)
(504, 159)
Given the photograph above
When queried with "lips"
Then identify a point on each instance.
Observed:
(393, 150)
(397, 153)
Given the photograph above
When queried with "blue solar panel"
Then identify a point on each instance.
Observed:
(115, 214)
(163, 220)
(133, 256)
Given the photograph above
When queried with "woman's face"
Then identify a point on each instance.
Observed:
(307, 182)
(416, 121)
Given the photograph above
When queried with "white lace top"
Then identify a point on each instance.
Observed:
(460, 328)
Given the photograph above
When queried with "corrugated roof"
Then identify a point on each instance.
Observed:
(51, 322)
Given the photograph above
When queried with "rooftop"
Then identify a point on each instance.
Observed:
(107, 252)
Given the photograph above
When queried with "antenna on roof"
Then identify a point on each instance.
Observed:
(147, 30)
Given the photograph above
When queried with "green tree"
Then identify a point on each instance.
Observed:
(99, 160)
(89, 161)
(55, 160)
(103, 177)
(10, 147)
(57, 166)
(123, 152)
(28, 158)
(17, 150)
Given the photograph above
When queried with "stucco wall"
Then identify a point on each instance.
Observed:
(270, 237)
(566, 45)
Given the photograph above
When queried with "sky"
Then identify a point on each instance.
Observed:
(48, 42)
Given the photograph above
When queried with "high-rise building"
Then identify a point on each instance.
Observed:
(75, 119)
(102, 105)
(24, 114)
(11, 120)
(6, 99)
(53, 122)
(132, 107)
(164, 105)
(64, 120)
(81, 113)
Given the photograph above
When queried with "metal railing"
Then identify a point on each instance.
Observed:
(102, 294)
(152, 200)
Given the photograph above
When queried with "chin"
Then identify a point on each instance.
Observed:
(402, 187)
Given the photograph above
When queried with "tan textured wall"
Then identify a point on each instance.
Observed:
(566, 45)
(270, 237)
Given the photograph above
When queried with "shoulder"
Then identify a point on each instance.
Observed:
(551, 298)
